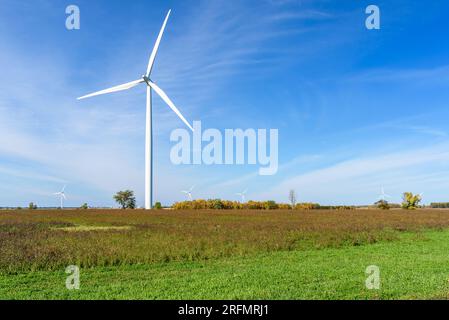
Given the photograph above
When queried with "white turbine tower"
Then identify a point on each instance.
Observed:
(383, 196)
(242, 195)
(189, 193)
(62, 196)
(150, 85)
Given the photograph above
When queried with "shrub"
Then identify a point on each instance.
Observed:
(439, 205)
(217, 204)
(158, 206)
(254, 205)
(270, 205)
(307, 206)
(382, 204)
(284, 206)
(32, 206)
(343, 208)
(410, 201)
(84, 206)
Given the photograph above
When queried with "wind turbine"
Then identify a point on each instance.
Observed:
(383, 195)
(62, 196)
(150, 85)
(188, 193)
(242, 194)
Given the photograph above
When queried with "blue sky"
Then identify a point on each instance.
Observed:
(356, 109)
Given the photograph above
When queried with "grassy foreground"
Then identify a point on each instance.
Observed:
(413, 267)
(411, 250)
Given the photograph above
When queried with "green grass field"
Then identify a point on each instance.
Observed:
(294, 262)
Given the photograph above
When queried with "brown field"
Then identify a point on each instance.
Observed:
(47, 240)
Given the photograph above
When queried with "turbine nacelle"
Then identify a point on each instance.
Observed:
(147, 80)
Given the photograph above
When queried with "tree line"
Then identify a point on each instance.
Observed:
(127, 200)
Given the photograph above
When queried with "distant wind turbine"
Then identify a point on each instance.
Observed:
(150, 85)
(383, 195)
(189, 193)
(242, 195)
(62, 196)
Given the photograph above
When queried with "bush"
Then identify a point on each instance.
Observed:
(382, 204)
(32, 206)
(158, 206)
(440, 205)
(84, 206)
(307, 206)
(254, 205)
(284, 206)
(343, 208)
(410, 201)
(270, 205)
(217, 204)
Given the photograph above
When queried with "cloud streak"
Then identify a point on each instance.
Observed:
(362, 177)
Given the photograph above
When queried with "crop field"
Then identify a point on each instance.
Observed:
(224, 254)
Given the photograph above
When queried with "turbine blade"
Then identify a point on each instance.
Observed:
(121, 87)
(63, 195)
(63, 188)
(169, 102)
(156, 46)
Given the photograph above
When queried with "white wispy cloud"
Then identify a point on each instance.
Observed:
(302, 15)
(416, 76)
(361, 177)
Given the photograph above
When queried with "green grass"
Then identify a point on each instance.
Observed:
(415, 266)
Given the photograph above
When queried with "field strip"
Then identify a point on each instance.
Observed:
(413, 267)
